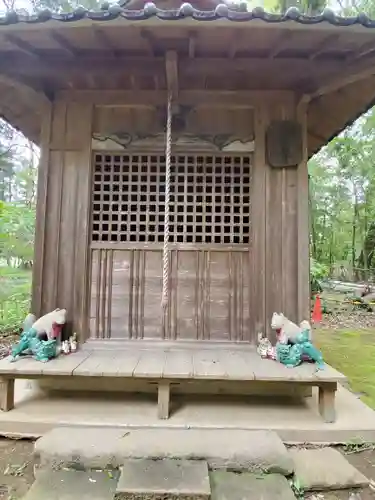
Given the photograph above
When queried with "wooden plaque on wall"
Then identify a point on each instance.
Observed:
(284, 144)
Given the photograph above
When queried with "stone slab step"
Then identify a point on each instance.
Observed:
(72, 485)
(232, 486)
(166, 479)
(325, 469)
(222, 449)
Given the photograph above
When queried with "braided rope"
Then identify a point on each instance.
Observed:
(166, 255)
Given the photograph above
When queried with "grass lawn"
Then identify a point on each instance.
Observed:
(15, 289)
(351, 352)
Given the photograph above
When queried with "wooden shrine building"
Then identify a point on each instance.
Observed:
(251, 97)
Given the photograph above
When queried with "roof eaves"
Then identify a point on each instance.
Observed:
(345, 125)
(222, 11)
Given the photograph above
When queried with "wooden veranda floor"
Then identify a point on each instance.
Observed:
(168, 367)
(217, 363)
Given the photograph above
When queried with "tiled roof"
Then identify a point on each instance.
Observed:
(222, 11)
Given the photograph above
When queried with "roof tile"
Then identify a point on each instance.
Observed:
(222, 11)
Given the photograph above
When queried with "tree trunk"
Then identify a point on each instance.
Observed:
(312, 224)
(354, 223)
(2, 185)
(366, 255)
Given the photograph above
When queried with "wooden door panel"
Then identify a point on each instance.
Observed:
(209, 295)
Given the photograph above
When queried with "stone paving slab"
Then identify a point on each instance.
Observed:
(255, 451)
(72, 485)
(232, 486)
(167, 479)
(91, 448)
(325, 469)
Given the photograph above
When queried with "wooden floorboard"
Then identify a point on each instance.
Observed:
(208, 365)
(26, 366)
(214, 364)
(179, 364)
(151, 364)
(237, 365)
(122, 364)
(331, 374)
(64, 365)
(94, 365)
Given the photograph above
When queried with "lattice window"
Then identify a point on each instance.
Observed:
(210, 198)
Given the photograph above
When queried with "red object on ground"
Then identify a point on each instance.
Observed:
(317, 314)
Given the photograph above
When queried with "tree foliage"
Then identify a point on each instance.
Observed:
(342, 199)
(18, 175)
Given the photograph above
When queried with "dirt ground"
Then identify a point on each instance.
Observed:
(16, 468)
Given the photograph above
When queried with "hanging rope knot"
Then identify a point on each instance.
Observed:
(166, 256)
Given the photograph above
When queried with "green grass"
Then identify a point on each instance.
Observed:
(352, 352)
(15, 288)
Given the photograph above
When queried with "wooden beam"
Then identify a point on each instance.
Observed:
(64, 44)
(192, 44)
(21, 45)
(35, 97)
(353, 73)
(104, 40)
(152, 65)
(365, 49)
(316, 136)
(324, 45)
(150, 40)
(233, 46)
(152, 98)
(282, 41)
(171, 70)
(133, 82)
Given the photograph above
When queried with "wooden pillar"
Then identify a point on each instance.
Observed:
(280, 225)
(6, 394)
(41, 206)
(63, 213)
(303, 225)
(258, 217)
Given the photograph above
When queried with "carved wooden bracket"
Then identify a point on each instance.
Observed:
(284, 143)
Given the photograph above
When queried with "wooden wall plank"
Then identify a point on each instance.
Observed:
(52, 233)
(303, 223)
(78, 126)
(285, 240)
(67, 234)
(199, 313)
(257, 254)
(62, 248)
(41, 211)
(58, 131)
(290, 252)
(274, 243)
(82, 267)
